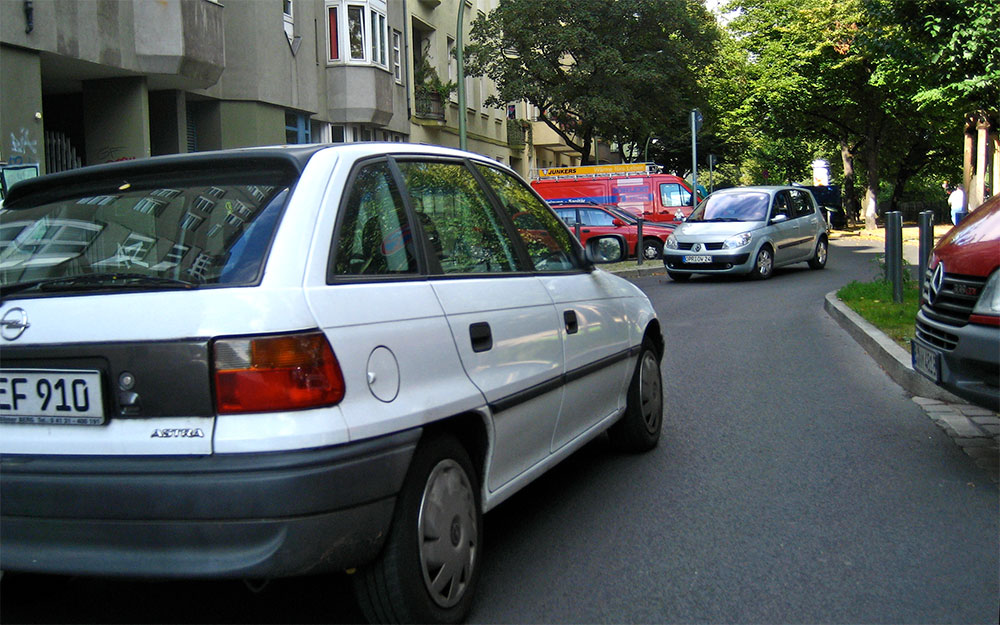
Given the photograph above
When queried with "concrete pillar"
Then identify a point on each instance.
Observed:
(244, 124)
(969, 162)
(116, 119)
(22, 126)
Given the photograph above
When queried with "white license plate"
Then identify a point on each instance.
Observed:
(926, 361)
(697, 259)
(51, 397)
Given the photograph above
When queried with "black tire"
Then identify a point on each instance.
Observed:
(679, 277)
(429, 566)
(763, 265)
(639, 428)
(818, 261)
(651, 249)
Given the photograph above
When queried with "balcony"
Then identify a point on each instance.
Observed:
(517, 132)
(427, 105)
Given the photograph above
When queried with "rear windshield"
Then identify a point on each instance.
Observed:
(185, 232)
(734, 206)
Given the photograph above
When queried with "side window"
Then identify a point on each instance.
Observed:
(781, 205)
(550, 245)
(596, 217)
(801, 204)
(462, 231)
(374, 236)
(568, 215)
(673, 194)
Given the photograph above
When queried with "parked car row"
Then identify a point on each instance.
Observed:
(278, 361)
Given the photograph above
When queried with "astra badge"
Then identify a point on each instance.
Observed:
(178, 433)
(14, 323)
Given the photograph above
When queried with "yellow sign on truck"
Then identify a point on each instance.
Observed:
(590, 170)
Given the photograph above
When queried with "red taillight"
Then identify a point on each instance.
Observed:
(272, 373)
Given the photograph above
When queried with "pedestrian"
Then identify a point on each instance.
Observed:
(956, 200)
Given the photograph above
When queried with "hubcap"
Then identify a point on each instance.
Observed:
(821, 253)
(764, 263)
(651, 253)
(448, 533)
(650, 392)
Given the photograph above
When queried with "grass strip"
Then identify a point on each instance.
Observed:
(873, 301)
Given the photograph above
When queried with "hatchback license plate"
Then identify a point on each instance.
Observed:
(51, 397)
(926, 361)
(696, 260)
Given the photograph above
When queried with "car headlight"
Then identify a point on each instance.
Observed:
(989, 299)
(737, 241)
(671, 242)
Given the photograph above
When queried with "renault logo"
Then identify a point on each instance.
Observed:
(14, 323)
(937, 281)
(696, 247)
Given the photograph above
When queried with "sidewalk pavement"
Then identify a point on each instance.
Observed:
(976, 430)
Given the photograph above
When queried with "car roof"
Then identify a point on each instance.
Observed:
(289, 158)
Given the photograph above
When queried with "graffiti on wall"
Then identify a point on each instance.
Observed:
(23, 149)
(113, 154)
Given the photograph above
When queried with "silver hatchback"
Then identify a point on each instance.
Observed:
(748, 230)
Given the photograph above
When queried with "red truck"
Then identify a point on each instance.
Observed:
(638, 188)
(957, 342)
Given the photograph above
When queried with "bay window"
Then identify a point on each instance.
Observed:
(357, 32)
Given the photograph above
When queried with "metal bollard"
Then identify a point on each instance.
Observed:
(894, 253)
(639, 247)
(926, 223)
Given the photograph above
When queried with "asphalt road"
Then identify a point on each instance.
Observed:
(795, 483)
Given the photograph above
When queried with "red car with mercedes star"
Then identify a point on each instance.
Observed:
(957, 342)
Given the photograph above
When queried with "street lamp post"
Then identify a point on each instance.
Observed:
(462, 141)
(696, 119)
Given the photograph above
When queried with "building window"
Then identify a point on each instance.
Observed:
(397, 56)
(333, 41)
(297, 128)
(452, 68)
(337, 134)
(360, 38)
(287, 17)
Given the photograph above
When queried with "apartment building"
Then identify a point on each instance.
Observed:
(94, 81)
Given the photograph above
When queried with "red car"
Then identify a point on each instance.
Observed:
(957, 342)
(597, 219)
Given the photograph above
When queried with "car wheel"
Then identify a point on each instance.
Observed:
(763, 266)
(429, 566)
(639, 428)
(818, 261)
(652, 249)
(679, 277)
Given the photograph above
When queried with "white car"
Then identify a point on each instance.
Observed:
(277, 361)
(748, 230)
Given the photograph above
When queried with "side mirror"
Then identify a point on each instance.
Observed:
(607, 248)
(617, 223)
(779, 218)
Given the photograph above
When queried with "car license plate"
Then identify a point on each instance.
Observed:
(51, 397)
(926, 361)
(697, 259)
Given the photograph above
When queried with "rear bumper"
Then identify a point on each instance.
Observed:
(240, 515)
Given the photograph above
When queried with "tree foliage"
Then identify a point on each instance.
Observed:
(625, 70)
(864, 78)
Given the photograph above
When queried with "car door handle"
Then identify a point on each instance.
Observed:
(569, 317)
(482, 337)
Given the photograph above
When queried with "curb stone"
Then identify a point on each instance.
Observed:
(975, 429)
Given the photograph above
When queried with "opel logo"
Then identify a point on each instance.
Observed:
(14, 323)
(937, 281)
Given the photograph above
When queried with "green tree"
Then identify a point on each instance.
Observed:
(626, 70)
(858, 75)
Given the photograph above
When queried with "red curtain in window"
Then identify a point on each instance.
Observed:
(334, 43)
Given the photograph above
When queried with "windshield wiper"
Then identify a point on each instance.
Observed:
(97, 281)
(723, 219)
